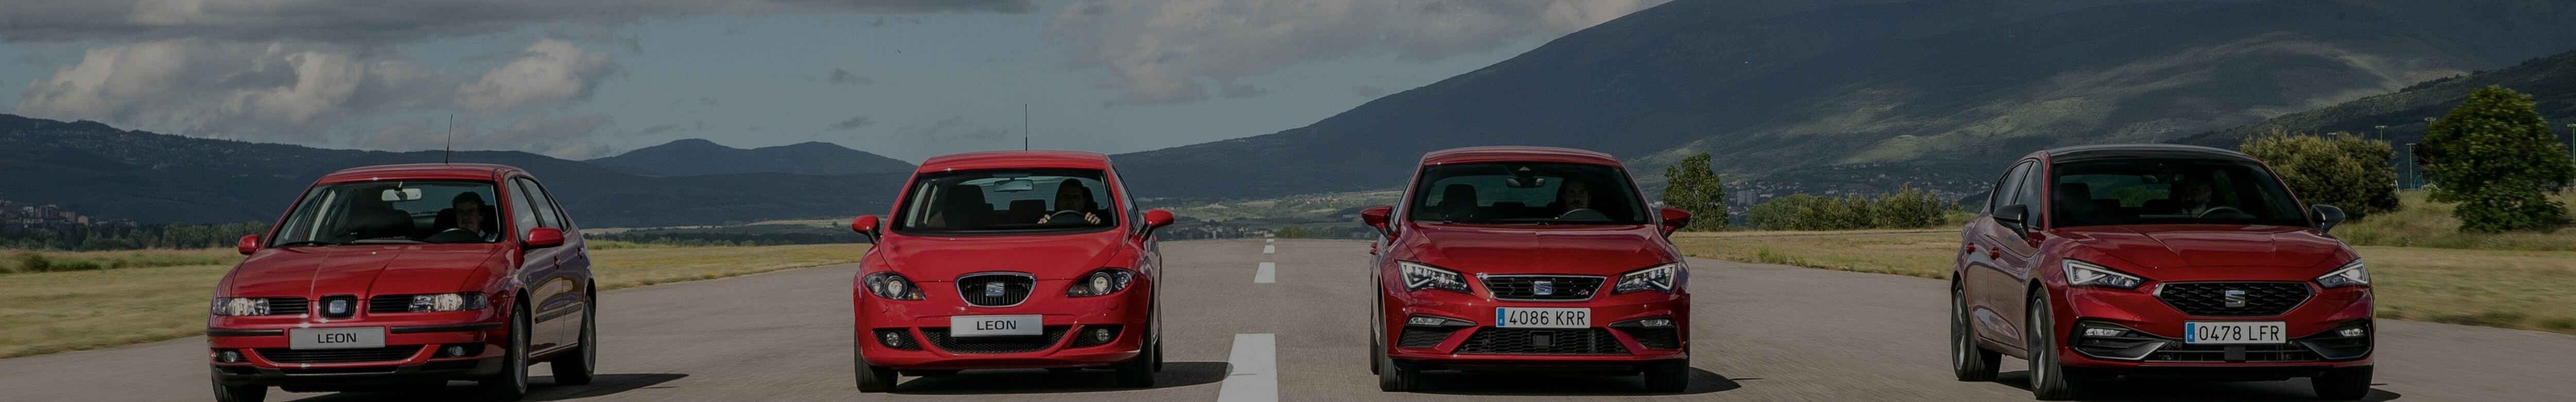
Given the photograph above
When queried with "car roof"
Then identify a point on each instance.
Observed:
(2161, 151)
(1016, 159)
(420, 171)
(1518, 154)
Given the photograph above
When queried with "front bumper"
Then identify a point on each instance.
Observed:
(2150, 343)
(920, 328)
(1618, 339)
(416, 350)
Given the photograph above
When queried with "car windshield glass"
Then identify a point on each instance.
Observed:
(1007, 201)
(2169, 191)
(1526, 193)
(393, 212)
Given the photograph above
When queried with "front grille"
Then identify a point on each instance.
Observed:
(1518, 341)
(389, 304)
(1656, 338)
(288, 306)
(1527, 287)
(2209, 299)
(939, 337)
(2181, 352)
(977, 289)
(1424, 337)
(383, 354)
(347, 301)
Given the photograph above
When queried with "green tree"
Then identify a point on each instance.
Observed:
(2345, 171)
(2496, 157)
(1692, 186)
(1781, 213)
(1908, 208)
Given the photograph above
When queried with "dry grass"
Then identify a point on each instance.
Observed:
(2533, 290)
(51, 312)
(2430, 224)
(18, 261)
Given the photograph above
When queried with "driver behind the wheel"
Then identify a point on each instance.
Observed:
(1072, 197)
(2194, 196)
(470, 216)
(1577, 198)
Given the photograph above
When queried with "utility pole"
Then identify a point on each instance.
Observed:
(2383, 132)
(1024, 127)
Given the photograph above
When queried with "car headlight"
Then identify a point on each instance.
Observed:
(1660, 278)
(448, 302)
(2351, 274)
(238, 306)
(1101, 283)
(2080, 273)
(1419, 277)
(892, 286)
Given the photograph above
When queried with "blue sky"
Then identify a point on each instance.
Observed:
(907, 79)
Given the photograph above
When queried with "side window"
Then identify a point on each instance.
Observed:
(2033, 188)
(523, 217)
(2008, 188)
(545, 204)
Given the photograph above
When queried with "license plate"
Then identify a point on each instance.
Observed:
(1517, 317)
(336, 338)
(2234, 332)
(967, 326)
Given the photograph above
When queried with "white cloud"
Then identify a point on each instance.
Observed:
(385, 22)
(283, 90)
(1160, 51)
(550, 72)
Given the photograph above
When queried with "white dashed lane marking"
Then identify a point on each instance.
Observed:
(1253, 371)
(1269, 273)
(1269, 249)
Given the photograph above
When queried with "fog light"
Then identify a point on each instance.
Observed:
(890, 339)
(2351, 332)
(2102, 332)
(453, 351)
(1101, 335)
(229, 356)
(1424, 321)
(1656, 323)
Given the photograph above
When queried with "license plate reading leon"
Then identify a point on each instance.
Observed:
(2233, 332)
(966, 326)
(1516, 317)
(335, 338)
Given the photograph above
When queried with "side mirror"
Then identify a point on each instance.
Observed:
(2327, 216)
(545, 237)
(865, 225)
(2015, 216)
(1157, 218)
(248, 244)
(1376, 217)
(1674, 220)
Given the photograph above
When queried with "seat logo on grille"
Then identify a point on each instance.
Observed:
(1543, 288)
(993, 289)
(2235, 298)
(337, 308)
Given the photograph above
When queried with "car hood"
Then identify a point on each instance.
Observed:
(1054, 256)
(1532, 249)
(2194, 246)
(361, 270)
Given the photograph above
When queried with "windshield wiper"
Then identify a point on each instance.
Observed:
(383, 240)
(305, 243)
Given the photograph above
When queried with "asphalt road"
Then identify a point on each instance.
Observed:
(1763, 333)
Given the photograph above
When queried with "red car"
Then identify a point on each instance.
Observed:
(407, 276)
(1527, 258)
(1010, 259)
(2158, 261)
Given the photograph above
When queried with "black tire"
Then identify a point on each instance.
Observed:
(1377, 351)
(1968, 361)
(2049, 380)
(1139, 372)
(240, 393)
(1395, 376)
(512, 383)
(581, 365)
(871, 378)
(1669, 378)
(2343, 384)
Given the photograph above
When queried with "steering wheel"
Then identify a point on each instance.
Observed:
(2205, 213)
(1582, 214)
(1062, 216)
(452, 235)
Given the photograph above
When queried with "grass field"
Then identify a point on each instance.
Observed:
(2533, 290)
(46, 312)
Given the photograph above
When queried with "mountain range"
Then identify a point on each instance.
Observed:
(695, 157)
(2400, 117)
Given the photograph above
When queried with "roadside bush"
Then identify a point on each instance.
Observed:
(1907, 208)
(2345, 171)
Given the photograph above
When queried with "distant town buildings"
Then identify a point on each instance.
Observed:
(13, 213)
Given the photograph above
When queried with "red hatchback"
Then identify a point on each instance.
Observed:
(1010, 259)
(1528, 258)
(2158, 261)
(407, 276)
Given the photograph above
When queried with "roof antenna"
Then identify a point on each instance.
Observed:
(1024, 127)
(446, 158)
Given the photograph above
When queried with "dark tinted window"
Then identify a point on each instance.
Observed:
(2170, 191)
(1008, 200)
(391, 212)
(2006, 190)
(1532, 193)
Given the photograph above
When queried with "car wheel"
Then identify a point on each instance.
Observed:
(1139, 373)
(1377, 350)
(871, 378)
(579, 367)
(1967, 360)
(1395, 376)
(240, 393)
(512, 383)
(2048, 379)
(1669, 378)
(2343, 384)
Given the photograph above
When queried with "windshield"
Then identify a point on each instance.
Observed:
(2166, 191)
(1007, 200)
(1525, 193)
(393, 212)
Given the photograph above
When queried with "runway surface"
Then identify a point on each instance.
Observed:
(1256, 320)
